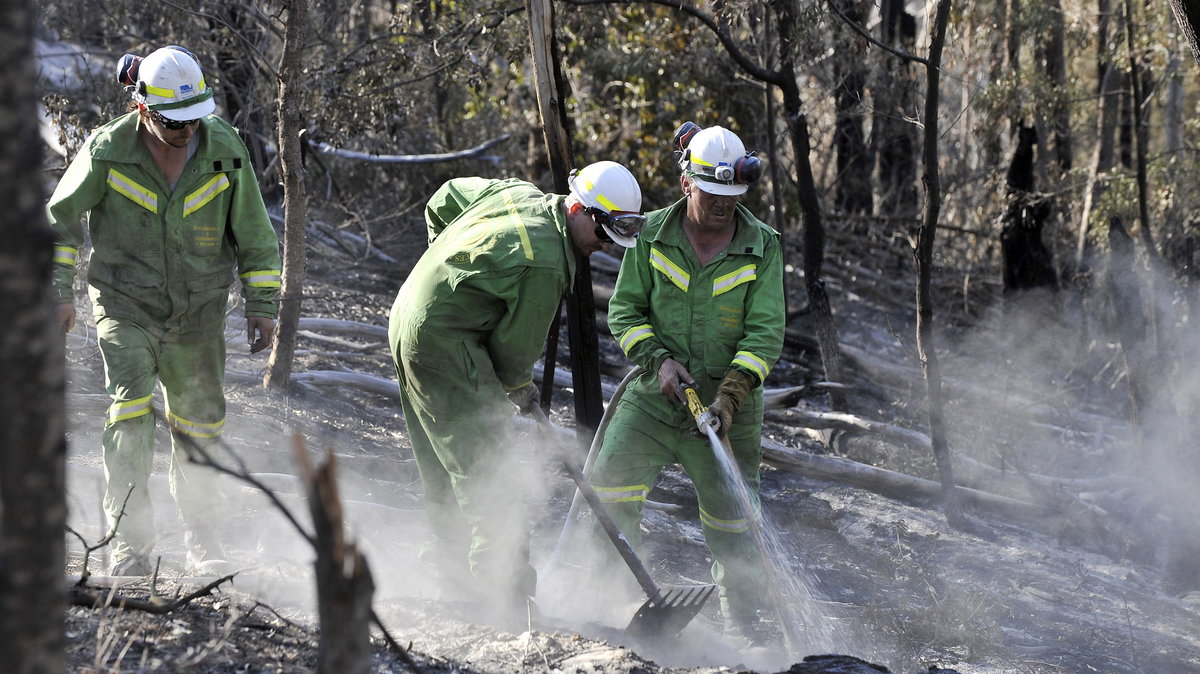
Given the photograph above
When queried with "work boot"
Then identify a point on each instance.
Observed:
(133, 565)
(205, 554)
(754, 630)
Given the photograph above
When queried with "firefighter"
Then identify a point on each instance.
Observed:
(465, 330)
(173, 206)
(698, 300)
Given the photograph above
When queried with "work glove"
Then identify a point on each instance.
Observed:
(526, 398)
(731, 394)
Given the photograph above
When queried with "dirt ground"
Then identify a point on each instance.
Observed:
(881, 578)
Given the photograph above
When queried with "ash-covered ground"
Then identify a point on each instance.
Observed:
(882, 578)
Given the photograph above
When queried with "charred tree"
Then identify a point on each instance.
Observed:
(295, 219)
(893, 138)
(344, 582)
(854, 161)
(1055, 65)
(581, 307)
(33, 446)
(1027, 261)
(924, 257)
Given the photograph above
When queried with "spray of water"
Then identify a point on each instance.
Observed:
(805, 629)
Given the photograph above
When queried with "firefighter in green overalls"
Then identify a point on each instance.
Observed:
(173, 205)
(698, 300)
(465, 330)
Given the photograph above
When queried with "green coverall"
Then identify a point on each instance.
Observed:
(159, 278)
(728, 313)
(467, 326)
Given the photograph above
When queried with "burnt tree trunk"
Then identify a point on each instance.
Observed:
(295, 219)
(33, 445)
(814, 231)
(893, 138)
(1055, 64)
(1027, 261)
(926, 349)
(581, 306)
(854, 161)
(344, 582)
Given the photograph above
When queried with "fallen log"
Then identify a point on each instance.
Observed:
(893, 484)
(920, 442)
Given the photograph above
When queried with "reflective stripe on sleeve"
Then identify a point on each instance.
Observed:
(66, 255)
(136, 193)
(195, 429)
(634, 335)
(266, 278)
(669, 269)
(753, 363)
(723, 284)
(129, 409)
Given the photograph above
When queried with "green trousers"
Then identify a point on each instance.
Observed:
(635, 449)
(459, 422)
(191, 374)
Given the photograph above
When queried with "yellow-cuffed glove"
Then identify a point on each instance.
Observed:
(732, 393)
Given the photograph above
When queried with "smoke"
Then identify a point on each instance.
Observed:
(1099, 394)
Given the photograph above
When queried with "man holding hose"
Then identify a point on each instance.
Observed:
(699, 301)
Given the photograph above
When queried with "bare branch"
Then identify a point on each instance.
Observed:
(476, 151)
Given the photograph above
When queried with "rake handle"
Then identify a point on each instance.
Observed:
(606, 521)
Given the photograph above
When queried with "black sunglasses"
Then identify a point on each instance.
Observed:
(172, 124)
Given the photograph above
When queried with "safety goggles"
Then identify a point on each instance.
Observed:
(624, 224)
(172, 124)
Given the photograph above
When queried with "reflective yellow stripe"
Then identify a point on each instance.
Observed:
(520, 225)
(170, 93)
(723, 284)
(631, 494)
(669, 269)
(66, 255)
(736, 526)
(195, 429)
(207, 192)
(604, 201)
(128, 409)
(135, 192)
(159, 91)
(753, 363)
(267, 278)
(634, 335)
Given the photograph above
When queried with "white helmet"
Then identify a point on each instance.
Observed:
(613, 199)
(716, 159)
(170, 82)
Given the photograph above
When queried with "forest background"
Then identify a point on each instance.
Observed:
(1059, 126)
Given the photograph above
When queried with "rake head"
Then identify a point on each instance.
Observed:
(666, 617)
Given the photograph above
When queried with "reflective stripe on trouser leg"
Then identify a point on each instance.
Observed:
(130, 357)
(192, 376)
(636, 446)
(452, 391)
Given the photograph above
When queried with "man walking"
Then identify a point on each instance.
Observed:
(173, 206)
(465, 330)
